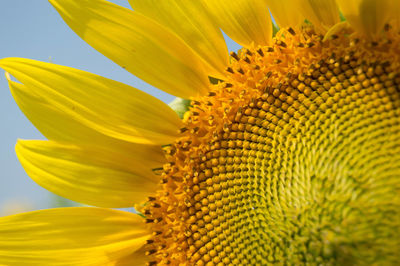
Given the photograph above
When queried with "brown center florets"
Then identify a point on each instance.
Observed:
(294, 158)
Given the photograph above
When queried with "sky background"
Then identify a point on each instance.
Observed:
(33, 29)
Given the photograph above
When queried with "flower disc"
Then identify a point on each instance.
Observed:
(295, 159)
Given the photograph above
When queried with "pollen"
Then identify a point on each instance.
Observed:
(293, 159)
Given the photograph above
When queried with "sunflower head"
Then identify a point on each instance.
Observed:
(286, 151)
(287, 160)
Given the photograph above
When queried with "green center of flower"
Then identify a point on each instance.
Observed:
(309, 174)
(305, 170)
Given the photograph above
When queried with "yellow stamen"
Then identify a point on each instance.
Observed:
(293, 159)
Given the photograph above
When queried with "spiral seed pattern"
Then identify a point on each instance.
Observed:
(294, 159)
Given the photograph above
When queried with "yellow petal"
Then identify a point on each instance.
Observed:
(284, 13)
(367, 16)
(88, 174)
(321, 13)
(139, 258)
(137, 43)
(54, 124)
(112, 108)
(245, 21)
(191, 22)
(340, 28)
(70, 236)
(113, 153)
(395, 14)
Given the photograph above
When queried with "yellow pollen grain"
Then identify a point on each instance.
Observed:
(293, 159)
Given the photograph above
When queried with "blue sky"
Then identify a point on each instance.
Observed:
(33, 29)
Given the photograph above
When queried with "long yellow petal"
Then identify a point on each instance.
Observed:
(245, 21)
(322, 13)
(88, 174)
(191, 22)
(137, 43)
(53, 123)
(139, 258)
(70, 236)
(56, 125)
(284, 13)
(110, 107)
(113, 153)
(367, 16)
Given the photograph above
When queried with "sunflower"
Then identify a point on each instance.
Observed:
(286, 151)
